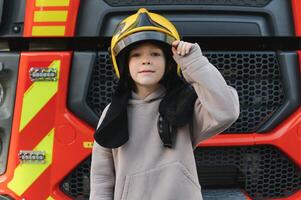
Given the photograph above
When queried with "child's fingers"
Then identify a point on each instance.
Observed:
(183, 50)
(175, 43)
(180, 46)
(188, 47)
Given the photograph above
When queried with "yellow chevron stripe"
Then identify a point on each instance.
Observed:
(44, 3)
(48, 31)
(37, 96)
(50, 16)
(50, 198)
(26, 174)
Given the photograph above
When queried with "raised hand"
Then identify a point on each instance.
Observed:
(181, 48)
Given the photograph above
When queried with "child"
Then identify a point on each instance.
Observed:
(145, 138)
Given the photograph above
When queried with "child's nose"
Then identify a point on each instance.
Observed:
(146, 62)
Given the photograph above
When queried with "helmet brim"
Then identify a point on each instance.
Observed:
(142, 36)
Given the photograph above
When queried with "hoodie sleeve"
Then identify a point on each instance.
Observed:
(217, 105)
(102, 174)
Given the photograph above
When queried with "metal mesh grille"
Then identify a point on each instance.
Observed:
(255, 75)
(77, 183)
(103, 83)
(249, 3)
(266, 172)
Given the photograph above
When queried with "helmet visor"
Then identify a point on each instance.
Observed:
(142, 36)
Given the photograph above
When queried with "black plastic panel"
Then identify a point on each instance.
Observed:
(80, 77)
(5, 197)
(274, 18)
(12, 18)
(9, 63)
(224, 194)
(292, 87)
(1, 10)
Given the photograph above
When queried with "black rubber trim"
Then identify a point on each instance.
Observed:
(102, 43)
(82, 67)
(274, 19)
(247, 3)
(1, 10)
(289, 68)
(2, 197)
(8, 79)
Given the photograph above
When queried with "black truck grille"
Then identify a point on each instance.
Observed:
(77, 183)
(262, 171)
(249, 3)
(255, 75)
(103, 83)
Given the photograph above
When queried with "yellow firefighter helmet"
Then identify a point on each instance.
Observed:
(141, 26)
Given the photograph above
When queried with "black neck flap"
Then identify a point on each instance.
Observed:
(113, 131)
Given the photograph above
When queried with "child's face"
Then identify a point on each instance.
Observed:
(146, 64)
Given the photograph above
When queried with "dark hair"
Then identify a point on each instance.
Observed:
(176, 107)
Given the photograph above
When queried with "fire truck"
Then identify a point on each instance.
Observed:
(56, 78)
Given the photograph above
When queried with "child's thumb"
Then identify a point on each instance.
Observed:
(175, 43)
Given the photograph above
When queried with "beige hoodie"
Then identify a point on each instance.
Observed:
(142, 168)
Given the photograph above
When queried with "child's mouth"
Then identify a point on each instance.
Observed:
(147, 71)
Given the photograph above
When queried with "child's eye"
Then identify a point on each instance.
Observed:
(135, 55)
(156, 54)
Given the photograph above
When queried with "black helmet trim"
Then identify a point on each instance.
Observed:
(142, 36)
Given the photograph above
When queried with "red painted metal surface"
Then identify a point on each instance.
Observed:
(296, 8)
(70, 133)
(69, 24)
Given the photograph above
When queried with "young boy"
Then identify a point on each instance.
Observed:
(145, 138)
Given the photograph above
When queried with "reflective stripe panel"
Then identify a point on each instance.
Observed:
(50, 16)
(50, 198)
(37, 96)
(42, 3)
(26, 174)
(48, 30)
(54, 18)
